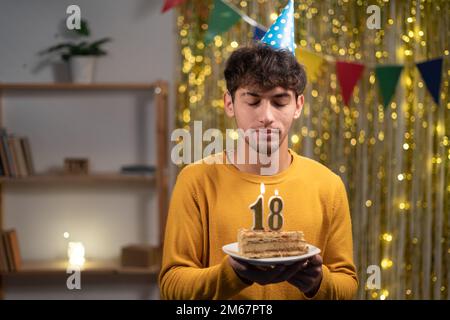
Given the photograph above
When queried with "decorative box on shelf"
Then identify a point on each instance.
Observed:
(140, 256)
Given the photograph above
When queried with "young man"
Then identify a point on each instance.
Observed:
(210, 202)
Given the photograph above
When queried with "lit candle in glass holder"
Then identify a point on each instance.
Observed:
(75, 251)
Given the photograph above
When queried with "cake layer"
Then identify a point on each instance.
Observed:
(266, 244)
(257, 247)
(274, 254)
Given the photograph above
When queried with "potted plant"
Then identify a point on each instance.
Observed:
(80, 55)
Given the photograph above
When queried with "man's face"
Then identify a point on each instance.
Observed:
(273, 110)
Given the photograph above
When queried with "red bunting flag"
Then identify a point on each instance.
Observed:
(348, 74)
(169, 4)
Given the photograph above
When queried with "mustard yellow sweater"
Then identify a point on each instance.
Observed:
(210, 203)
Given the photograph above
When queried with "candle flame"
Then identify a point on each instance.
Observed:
(276, 192)
(262, 188)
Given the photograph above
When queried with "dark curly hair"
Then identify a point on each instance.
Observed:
(263, 67)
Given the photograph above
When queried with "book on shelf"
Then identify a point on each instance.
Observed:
(14, 163)
(10, 256)
(4, 266)
(4, 168)
(27, 153)
(20, 155)
(15, 155)
(8, 163)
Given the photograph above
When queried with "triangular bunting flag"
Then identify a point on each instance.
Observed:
(258, 33)
(169, 4)
(221, 18)
(431, 72)
(348, 74)
(311, 61)
(281, 33)
(387, 78)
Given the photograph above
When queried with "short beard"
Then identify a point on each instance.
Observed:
(259, 144)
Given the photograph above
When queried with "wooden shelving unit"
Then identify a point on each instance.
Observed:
(159, 90)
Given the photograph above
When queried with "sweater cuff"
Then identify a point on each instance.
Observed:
(324, 291)
(232, 283)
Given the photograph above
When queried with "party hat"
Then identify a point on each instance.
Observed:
(281, 34)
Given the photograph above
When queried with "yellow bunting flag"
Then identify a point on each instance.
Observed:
(311, 61)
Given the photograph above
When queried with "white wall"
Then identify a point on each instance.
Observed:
(107, 127)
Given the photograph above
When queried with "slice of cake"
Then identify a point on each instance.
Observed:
(270, 244)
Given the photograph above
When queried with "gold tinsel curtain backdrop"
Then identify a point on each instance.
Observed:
(394, 160)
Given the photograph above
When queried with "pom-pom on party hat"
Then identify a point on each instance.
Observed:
(281, 34)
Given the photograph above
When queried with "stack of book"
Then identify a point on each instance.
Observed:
(10, 258)
(15, 155)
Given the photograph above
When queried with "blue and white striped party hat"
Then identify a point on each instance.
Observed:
(281, 34)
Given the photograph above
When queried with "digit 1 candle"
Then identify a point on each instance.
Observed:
(258, 210)
(276, 212)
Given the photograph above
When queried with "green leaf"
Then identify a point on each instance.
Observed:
(99, 42)
(56, 48)
(84, 29)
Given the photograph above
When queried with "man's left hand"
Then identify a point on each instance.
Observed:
(309, 277)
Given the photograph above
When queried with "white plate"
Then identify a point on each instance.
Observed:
(233, 251)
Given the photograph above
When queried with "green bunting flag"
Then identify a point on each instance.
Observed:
(387, 78)
(221, 18)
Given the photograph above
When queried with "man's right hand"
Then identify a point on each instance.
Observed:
(264, 275)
